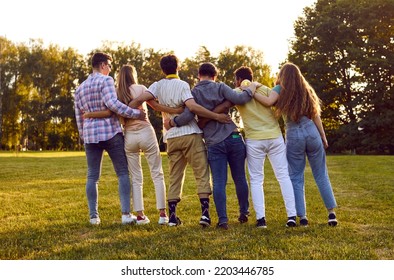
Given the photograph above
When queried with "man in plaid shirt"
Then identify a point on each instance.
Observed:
(97, 93)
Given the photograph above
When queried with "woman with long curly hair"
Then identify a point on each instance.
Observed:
(297, 101)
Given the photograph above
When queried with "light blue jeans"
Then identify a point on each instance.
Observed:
(231, 150)
(94, 155)
(303, 140)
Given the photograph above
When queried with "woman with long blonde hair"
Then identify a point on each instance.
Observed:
(297, 101)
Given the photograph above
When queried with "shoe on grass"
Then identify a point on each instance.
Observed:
(332, 220)
(142, 220)
(222, 226)
(304, 222)
(95, 221)
(163, 219)
(243, 218)
(261, 223)
(174, 222)
(291, 222)
(205, 221)
(128, 219)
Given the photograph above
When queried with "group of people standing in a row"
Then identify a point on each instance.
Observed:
(198, 131)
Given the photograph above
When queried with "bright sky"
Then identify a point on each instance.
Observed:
(179, 25)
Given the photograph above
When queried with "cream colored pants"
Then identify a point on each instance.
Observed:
(145, 140)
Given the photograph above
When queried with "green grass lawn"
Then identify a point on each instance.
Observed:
(44, 215)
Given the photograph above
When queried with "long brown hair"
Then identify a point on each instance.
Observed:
(127, 76)
(297, 98)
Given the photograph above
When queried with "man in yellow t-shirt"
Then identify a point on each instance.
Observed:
(264, 138)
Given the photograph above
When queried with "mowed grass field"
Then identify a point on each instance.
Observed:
(44, 216)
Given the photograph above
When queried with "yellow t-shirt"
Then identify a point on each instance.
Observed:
(259, 121)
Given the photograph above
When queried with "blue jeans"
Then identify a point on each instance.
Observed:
(303, 139)
(231, 150)
(94, 155)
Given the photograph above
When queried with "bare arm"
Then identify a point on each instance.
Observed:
(269, 100)
(203, 112)
(145, 96)
(98, 114)
(162, 108)
(319, 125)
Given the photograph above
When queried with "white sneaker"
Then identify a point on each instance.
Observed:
(95, 221)
(163, 220)
(142, 220)
(128, 219)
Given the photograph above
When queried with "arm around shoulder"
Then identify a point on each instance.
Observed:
(162, 108)
(145, 96)
(269, 100)
(203, 112)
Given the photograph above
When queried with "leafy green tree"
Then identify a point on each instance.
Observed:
(189, 68)
(49, 75)
(230, 60)
(37, 100)
(345, 50)
(61, 105)
(10, 96)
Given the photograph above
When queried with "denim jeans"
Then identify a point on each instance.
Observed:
(303, 139)
(232, 150)
(94, 155)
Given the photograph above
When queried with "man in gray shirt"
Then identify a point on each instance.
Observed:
(224, 142)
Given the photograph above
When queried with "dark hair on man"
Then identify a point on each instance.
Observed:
(169, 64)
(100, 57)
(208, 69)
(244, 73)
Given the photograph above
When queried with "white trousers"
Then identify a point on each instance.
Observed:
(256, 152)
(145, 140)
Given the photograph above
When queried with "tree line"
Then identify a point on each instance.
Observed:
(346, 50)
(343, 47)
(38, 84)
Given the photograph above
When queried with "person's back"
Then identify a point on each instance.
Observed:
(134, 124)
(173, 92)
(209, 95)
(264, 139)
(184, 144)
(224, 142)
(88, 96)
(305, 137)
(259, 121)
(140, 136)
(98, 93)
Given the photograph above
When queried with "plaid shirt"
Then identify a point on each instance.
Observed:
(95, 94)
